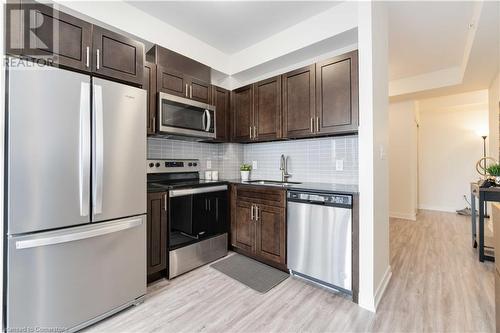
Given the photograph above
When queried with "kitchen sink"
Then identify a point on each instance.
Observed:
(271, 182)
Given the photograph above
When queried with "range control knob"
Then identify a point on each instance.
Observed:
(157, 164)
(195, 164)
(190, 164)
(151, 165)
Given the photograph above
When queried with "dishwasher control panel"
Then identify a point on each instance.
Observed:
(320, 198)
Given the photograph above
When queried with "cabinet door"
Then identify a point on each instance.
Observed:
(243, 227)
(199, 90)
(149, 84)
(220, 98)
(267, 114)
(117, 56)
(171, 82)
(242, 113)
(53, 35)
(299, 102)
(157, 232)
(337, 95)
(271, 233)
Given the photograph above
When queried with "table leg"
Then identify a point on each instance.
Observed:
(481, 227)
(473, 219)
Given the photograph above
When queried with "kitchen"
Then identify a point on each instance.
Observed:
(145, 204)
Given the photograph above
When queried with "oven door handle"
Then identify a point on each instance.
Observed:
(198, 190)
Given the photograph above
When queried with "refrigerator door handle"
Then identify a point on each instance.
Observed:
(84, 149)
(98, 151)
(71, 237)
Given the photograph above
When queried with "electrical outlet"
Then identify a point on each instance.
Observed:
(209, 164)
(339, 165)
(254, 165)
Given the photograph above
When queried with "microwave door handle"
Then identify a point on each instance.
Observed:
(209, 122)
(204, 120)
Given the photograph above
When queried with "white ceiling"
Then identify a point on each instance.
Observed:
(232, 26)
(426, 36)
(433, 51)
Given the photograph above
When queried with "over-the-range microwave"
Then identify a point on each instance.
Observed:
(180, 116)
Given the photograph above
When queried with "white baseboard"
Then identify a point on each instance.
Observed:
(382, 286)
(438, 208)
(404, 216)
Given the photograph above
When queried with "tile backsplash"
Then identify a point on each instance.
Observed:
(310, 160)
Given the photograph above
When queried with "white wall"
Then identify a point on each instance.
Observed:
(449, 146)
(493, 117)
(374, 268)
(403, 175)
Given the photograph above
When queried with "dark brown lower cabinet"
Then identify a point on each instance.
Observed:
(156, 233)
(258, 224)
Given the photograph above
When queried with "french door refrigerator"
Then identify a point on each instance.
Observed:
(76, 198)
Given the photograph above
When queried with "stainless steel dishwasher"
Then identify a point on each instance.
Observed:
(319, 239)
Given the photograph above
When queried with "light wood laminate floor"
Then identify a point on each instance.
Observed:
(437, 285)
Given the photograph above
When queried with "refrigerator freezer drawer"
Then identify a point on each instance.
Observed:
(66, 278)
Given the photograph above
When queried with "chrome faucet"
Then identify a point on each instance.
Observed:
(284, 168)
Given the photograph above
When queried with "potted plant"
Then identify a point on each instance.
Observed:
(245, 171)
(494, 171)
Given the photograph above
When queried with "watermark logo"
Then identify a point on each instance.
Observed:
(30, 31)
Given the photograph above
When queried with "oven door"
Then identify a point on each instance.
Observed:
(182, 116)
(197, 213)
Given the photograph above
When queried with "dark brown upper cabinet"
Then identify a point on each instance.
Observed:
(156, 239)
(117, 56)
(171, 82)
(220, 98)
(181, 76)
(172, 60)
(337, 95)
(299, 102)
(242, 114)
(199, 90)
(71, 48)
(149, 84)
(267, 109)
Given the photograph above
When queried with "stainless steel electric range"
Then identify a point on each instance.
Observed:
(197, 213)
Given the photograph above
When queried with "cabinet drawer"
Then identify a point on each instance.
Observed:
(266, 196)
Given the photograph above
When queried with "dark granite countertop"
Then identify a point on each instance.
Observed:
(306, 186)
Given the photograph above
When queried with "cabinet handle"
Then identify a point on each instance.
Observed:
(186, 90)
(251, 133)
(88, 57)
(317, 124)
(165, 202)
(190, 91)
(154, 124)
(254, 132)
(206, 204)
(312, 125)
(257, 213)
(251, 212)
(97, 59)
(209, 206)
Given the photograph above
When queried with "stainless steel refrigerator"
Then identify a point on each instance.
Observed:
(76, 198)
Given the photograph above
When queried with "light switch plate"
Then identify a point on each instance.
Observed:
(339, 165)
(209, 164)
(254, 165)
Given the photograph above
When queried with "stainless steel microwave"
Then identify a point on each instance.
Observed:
(180, 116)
